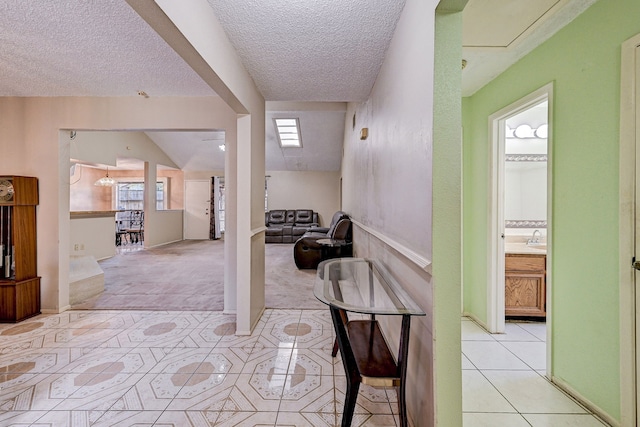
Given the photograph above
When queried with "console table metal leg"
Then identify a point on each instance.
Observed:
(403, 353)
(348, 360)
(350, 400)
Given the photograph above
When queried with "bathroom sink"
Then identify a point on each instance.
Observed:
(541, 246)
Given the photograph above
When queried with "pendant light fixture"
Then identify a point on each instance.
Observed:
(105, 181)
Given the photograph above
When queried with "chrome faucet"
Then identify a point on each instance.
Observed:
(534, 240)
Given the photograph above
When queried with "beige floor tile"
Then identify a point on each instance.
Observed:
(308, 393)
(306, 419)
(68, 418)
(202, 392)
(128, 418)
(256, 393)
(268, 361)
(311, 362)
(188, 418)
(370, 400)
(99, 392)
(20, 418)
(246, 419)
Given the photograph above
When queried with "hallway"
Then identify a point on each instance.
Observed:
(503, 383)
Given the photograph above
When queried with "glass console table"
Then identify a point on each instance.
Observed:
(363, 286)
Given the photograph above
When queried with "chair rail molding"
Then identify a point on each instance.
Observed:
(416, 258)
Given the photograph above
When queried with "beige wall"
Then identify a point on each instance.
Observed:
(319, 191)
(85, 196)
(394, 194)
(34, 142)
(93, 236)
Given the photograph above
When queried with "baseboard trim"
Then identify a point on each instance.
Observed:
(476, 320)
(590, 406)
(54, 311)
(410, 254)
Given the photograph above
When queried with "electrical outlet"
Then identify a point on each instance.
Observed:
(75, 247)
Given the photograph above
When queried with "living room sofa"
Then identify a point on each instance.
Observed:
(287, 226)
(308, 253)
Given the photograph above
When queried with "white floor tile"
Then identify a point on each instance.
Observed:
(478, 419)
(472, 332)
(562, 420)
(514, 332)
(537, 329)
(491, 355)
(466, 363)
(478, 395)
(528, 392)
(534, 354)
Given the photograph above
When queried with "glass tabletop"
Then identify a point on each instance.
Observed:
(363, 286)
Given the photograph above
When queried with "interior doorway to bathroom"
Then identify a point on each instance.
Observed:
(520, 222)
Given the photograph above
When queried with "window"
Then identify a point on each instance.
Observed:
(130, 196)
(288, 131)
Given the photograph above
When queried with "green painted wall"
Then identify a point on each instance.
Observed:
(447, 188)
(583, 61)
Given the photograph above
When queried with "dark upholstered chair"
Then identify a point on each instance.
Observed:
(308, 253)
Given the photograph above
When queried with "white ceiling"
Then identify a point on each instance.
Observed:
(328, 50)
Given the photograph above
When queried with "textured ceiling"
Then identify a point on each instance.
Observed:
(322, 50)
(87, 48)
(328, 50)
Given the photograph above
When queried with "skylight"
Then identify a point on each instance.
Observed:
(288, 131)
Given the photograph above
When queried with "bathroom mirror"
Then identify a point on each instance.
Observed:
(525, 184)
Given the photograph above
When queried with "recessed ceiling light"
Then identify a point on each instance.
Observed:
(288, 131)
(222, 147)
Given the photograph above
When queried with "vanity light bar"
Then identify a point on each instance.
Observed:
(526, 131)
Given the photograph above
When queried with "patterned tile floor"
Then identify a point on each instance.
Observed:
(161, 368)
(124, 368)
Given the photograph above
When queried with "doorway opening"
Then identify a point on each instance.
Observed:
(131, 229)
(519, 239)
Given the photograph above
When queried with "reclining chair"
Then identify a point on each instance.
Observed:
(308, 253)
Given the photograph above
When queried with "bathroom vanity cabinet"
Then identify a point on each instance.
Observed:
(525, 285)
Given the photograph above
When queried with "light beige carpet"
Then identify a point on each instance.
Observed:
(188, 275)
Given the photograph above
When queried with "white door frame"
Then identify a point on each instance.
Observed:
(495, 237)
(629, 157)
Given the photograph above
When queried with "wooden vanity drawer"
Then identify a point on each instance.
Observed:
(516, 262)
(525, 285)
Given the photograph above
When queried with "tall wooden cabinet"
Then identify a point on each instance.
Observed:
(525, 285)
(19, 281)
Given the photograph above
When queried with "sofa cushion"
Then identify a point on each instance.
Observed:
(298, 230)
(291, 217)
(303, 216)
(274, 231)
(277, 217)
